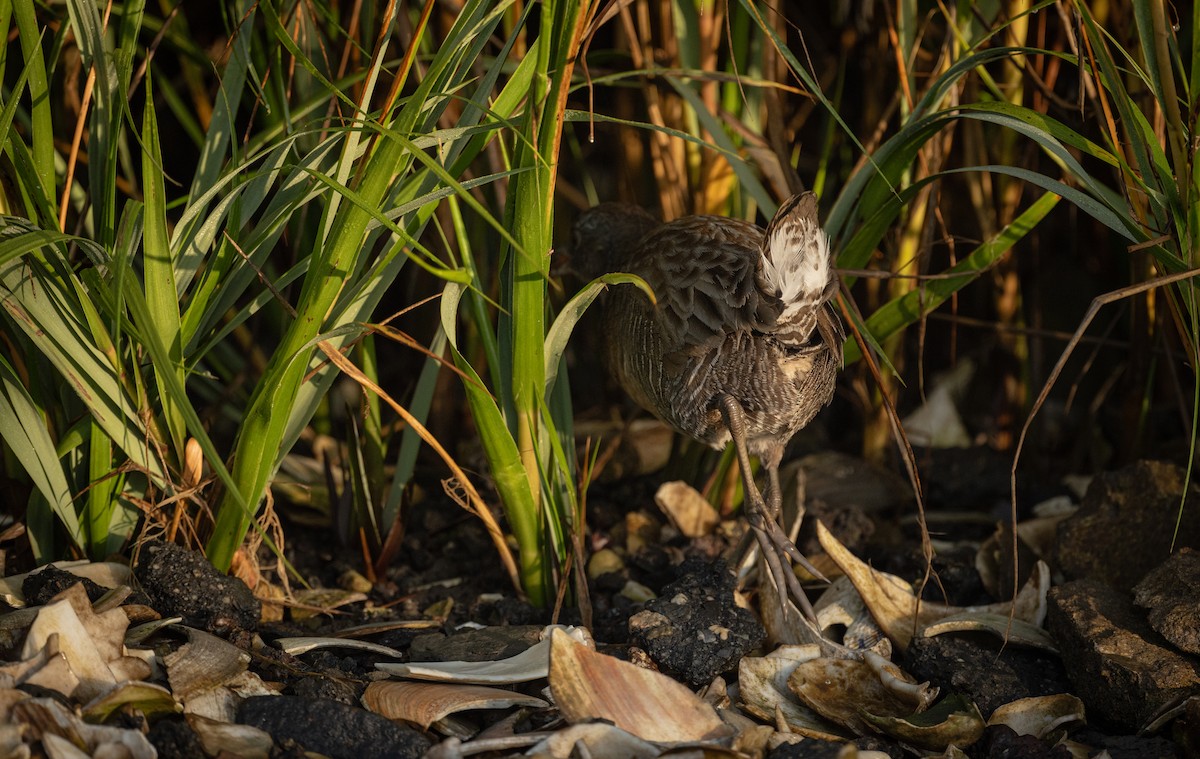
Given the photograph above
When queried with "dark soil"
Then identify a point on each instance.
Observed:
(448, 578)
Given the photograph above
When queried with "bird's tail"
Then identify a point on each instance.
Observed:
(797, 266)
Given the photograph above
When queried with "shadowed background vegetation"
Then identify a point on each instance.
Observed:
(224, 225)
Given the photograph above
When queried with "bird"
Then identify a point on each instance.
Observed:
(742, 344)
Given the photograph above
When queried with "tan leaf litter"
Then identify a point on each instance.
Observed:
(1039, 715)
(146, 698)
(691, 514)
(842, 606)
(302, 645)
(92, 644)
(763, 692)
(588, 686)
(843, 690)
(426, 703)
(64, 734)
(228, 739)
(210, 676)
(895, 607)
(596, 740)
(531, 664)
(1015, 631)
(954, 721)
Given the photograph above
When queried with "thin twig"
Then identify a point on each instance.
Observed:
(479, 508)
(1097, 303)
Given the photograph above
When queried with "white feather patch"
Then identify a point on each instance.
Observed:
(797, 261)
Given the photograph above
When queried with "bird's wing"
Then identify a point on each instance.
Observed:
(703, 272)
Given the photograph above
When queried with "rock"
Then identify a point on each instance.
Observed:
(182, 583)
(1171, 594)
(965, 479)
(840, 478)
(485, 644)
(1122, 669)
(39, 587)
(846, 493)
(694, 629)
(1124, 525)
(173, 737)
(1002, 742)
(331, 728)
(983, 671)
(326, 687)
(1127, 746)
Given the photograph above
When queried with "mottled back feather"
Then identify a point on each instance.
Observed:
(741, 310)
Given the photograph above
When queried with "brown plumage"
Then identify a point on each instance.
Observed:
(743, 343)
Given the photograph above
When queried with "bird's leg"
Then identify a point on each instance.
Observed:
(775, 502)
(771, 540)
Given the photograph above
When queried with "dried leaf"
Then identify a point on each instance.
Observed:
(691, 514)
(64, 734)
(228, 739)
(936, 423)
(203, 663)
(1039, 715)
(843, 690)
(93, 644)
(587, 686)
(1015, 631)
(531, 664)
(895, 607)
(147, 698)
(210, 676)
(763, 691)
(599, 740)
(141, 633)
(842, 606)
(297, 646)
(953, 722)
(426, 703)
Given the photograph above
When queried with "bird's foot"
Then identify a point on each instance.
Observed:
(776, 549)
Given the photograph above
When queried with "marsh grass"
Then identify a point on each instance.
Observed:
(943, 137)
(200, 239)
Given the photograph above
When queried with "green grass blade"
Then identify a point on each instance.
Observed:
(560, 330)
(24, 431)
(746, 177)
(410, 441)
(222, 126)
(501, 449)
(105, 116)
(101, 499)
(158, 271)
(275, 409)
(900, 312)
(42, 132)
(46, 308)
